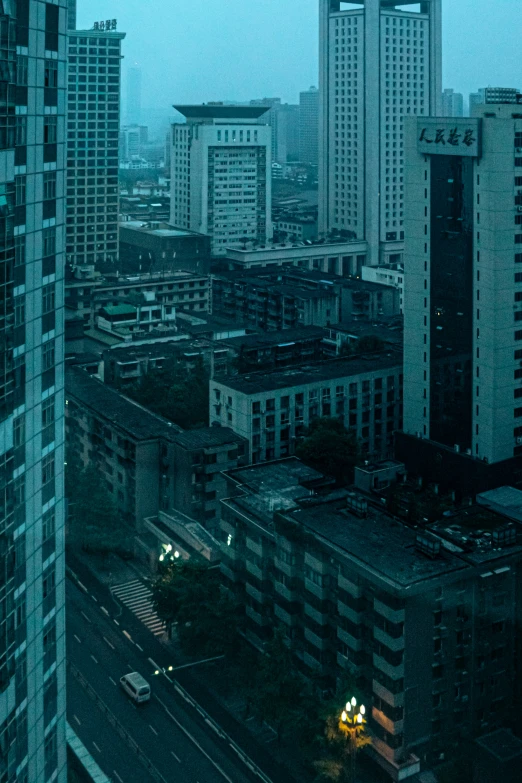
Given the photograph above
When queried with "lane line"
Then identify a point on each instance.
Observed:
(94, 659)
(116, 775)
(129, 637)
(96, 746)
(104, 610)
(113, 681)
(109, 643)
(94, 598)
(77, 638)
(176, 757)
(139, 648)
(194, 740)
(153, 729)
(82, 586)
(87, 618)
(78, 721)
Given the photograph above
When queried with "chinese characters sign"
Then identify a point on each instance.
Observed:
(108, 26)
(449, 136)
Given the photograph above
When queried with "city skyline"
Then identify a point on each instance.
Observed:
(200, 74)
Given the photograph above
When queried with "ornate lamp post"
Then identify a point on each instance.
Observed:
(352, 724)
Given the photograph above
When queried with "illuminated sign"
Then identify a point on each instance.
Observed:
(449, 136)
(107, 26)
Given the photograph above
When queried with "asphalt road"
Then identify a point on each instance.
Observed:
(171, 734)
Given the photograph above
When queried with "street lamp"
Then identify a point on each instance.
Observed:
(352, 721)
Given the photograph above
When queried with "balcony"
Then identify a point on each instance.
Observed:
(393, 672)
(392, 644)
(393, 699)
(392, 727)
(349, 640)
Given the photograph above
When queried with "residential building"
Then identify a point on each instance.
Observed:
(272, 410)
(270, 350)
(463, 381)
(147, 462)
(32, 565)
(424, 620)
(452, 103)
(386, 274)
(340, 257)
(93, 122)
(476, 98)
(297, 228)
(133, 95)
(221, 174)
(283, 119)
(158, 247)
(132, 141)
(309, 126)
(365, 91)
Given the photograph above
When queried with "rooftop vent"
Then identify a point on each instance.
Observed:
(357, 504)
(504, 536)
(427, 544)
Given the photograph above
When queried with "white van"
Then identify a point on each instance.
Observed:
(136, 687)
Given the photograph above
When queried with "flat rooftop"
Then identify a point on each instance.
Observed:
(163, 231)
(258, 382)
(282, 338)
(221, 111)
(207, 438)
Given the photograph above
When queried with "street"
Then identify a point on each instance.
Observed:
(160, 740)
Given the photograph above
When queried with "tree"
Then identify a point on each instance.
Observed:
(94, 520)
(190, 596)
(330, 448)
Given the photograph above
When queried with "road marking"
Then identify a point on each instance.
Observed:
(153, 729)
(77, 720)
(154, 664)
(82, 586)
(77, 638)
(116, 774)
(109, 643)
(87, 618)
(139, 648)
(117, 623)
(94, 598)
(94, 659)
(96, 746)
(176, 757)
(192, 739)
(113, 681)
(129, 637)
(104, 610)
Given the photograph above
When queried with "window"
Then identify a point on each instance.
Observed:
(48, 469)
(49, 241)
(21, 70)
(48, 298)
(47, 412)
(19, 242)
(19, 431)
(48, 355)
(52, 17)
(50, 129)
(20, 188)
(21, 130)
(51, 744)
(48, 525)
(19, 310)
(51, 73)
(49, 185)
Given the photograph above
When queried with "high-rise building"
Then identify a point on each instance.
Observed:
(452, 103)
(133, 95)
(133, 139)
(475, 98)
(32, 568)
(221, 174)
(378, 63)
(93, 119)
(463, 301)
(71, 11)
(309, 126)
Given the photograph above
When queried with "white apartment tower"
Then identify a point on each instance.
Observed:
(463, 300)
(32, 567)
(221, 174)
(93, 123)
(378, 64)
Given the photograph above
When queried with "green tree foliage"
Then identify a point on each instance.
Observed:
(94, 522)
(176, 393)
(330, 448)
(190, 596)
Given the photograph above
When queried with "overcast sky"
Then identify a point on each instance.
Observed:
(192, 51)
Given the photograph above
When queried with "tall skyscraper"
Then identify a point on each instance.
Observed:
(71, 10)
(378, 64)
(309, 126)
(133, 95)
(452, 103)
(93, 118)
(32, 569)
(463, 301)
(221, 174)
(475, 98)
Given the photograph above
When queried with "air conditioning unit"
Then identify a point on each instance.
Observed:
(519, 440)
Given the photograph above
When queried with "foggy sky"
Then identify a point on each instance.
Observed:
(193, 51)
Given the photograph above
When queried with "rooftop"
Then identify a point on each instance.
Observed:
(163, 230)
(259, 382)
(503, 500)
(207, 438)
(501, 744)
(221, 111)
(283, 338)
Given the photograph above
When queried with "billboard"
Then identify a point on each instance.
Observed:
(449, 136)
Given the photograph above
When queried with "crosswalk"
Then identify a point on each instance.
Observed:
(138, 598)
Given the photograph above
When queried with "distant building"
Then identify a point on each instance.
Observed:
(92, 166)
(221, 174)
(387, 274)
(133, 139)
(71, 14)
(462, 323)
(309, 126)
(157, 247)
(361, 151)
(133, 95)
(424, 620)
(272, 410)
(340, 257)
(297, 228)
(452, 103)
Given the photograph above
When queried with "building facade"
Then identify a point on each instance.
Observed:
(387, 274)
(159, 247)
(378, 63)
(272, 410)
(221, 174)
(309, 126)
(452, 103)
(32, 568)
(93, 122)
(425, 622)
(462, 309)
